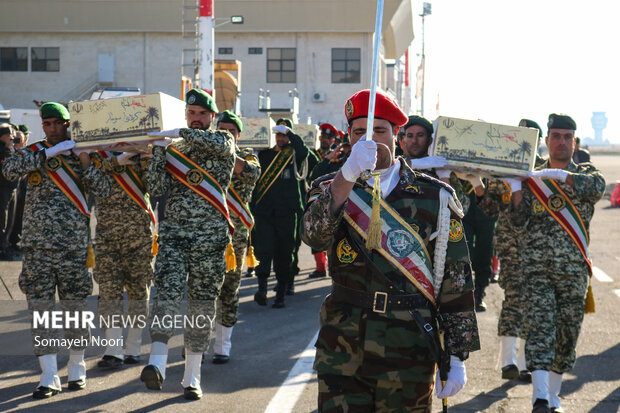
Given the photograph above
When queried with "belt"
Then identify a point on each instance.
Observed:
(379, 301)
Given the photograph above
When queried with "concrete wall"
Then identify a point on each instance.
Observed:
(150, 61)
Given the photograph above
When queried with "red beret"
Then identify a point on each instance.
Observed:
(329, 127)
(385, 108)
(341, 133)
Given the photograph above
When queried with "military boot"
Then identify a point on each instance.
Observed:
(261, 295)
(279, 301)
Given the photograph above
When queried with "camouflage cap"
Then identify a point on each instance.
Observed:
(229, 117)
(528, 123)
(54, 110)
(419, 120)
(201, 98)
(561, 122)
(285, 121)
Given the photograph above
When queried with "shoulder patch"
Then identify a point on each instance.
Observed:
(456, 231)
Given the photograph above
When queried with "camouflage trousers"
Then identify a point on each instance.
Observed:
(512, 280)
(355, 394)
(186, 261)
(229, 294)
(555, 313)
(123, 265)
(44, 272)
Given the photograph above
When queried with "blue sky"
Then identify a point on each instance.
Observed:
(501, 61)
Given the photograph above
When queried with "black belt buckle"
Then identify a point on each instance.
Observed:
(385, 302)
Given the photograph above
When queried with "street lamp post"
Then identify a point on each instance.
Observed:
(426, 11)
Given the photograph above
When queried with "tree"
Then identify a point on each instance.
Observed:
(442, 142)
(152, 113)
(76, 127)
(524, 148)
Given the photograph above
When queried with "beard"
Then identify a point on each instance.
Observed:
(198, 125)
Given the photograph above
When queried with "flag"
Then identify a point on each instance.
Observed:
(420, 80)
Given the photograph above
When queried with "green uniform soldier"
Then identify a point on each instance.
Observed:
(508, 246)
(334, 159)
(371, 354)
(276, 201)
(548, 209)
(193, 236)
(124, 253)
(245, 175)
(55, 238)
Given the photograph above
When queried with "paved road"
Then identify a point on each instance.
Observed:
(269, 348)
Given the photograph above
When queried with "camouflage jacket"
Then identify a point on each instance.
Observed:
(547, 247)
(495, 203)
(244, 185)
(356, 341)
(51, 220)
(187, 213)
(119, 217)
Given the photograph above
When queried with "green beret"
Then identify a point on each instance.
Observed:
(229, 117)
(286, 122)
(24, 129)
(53, 110)
(419, 120)
(528, 123)
(199, 97)
(561, 122)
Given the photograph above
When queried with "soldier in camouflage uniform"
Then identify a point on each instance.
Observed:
(245, 175)
(192, 239)
(371, 355)
(124, 254)
(508, 240)
(55, 239)
(556, 269)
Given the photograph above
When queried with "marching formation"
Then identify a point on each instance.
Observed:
(407, 239)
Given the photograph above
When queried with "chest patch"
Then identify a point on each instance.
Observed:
(537, 208)
(456, 231)
(345, 253)
(400, 243)
(556, 202)
(35, 178)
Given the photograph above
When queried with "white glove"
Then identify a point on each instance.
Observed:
(556, 174)
(283, 129)
(513, 183)
(146, 155)
(125, 158)
(363, 157)
(443, 173)
(162, 142)
(429, 162)
(457, 377)
(474, 179)
(61, 148)
(172, 133)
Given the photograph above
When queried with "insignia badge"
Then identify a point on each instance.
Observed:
(209, 164)
(345, 253)
(282, 123)
(191, 100)
(414, 189)
(523, 123)
(194, 177)
(456, 231)
(556, 202)
(399, 243)
(415, 227)
(97, 162)
(119, 169)
(349, 109)
(537, 208)
(52, 164)
(34, 179)
(506, 197)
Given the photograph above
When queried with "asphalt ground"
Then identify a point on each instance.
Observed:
(269, 344)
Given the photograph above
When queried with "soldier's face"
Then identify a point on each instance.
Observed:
(198, 117)
(230, 127)
(561, 144)
(55, 130)
(281, 140)
(326, 140)
(383, 132)
(415, 142)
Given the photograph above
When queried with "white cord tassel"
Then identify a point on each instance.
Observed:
(304, 168)
(446, 201)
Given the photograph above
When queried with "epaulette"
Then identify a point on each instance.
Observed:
(430, 179)
(319, 185)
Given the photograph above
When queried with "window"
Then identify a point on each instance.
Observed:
(255, 50)
(225, 50)
(346, 65)
(281, 65)
(45, 59)
(14, 59)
